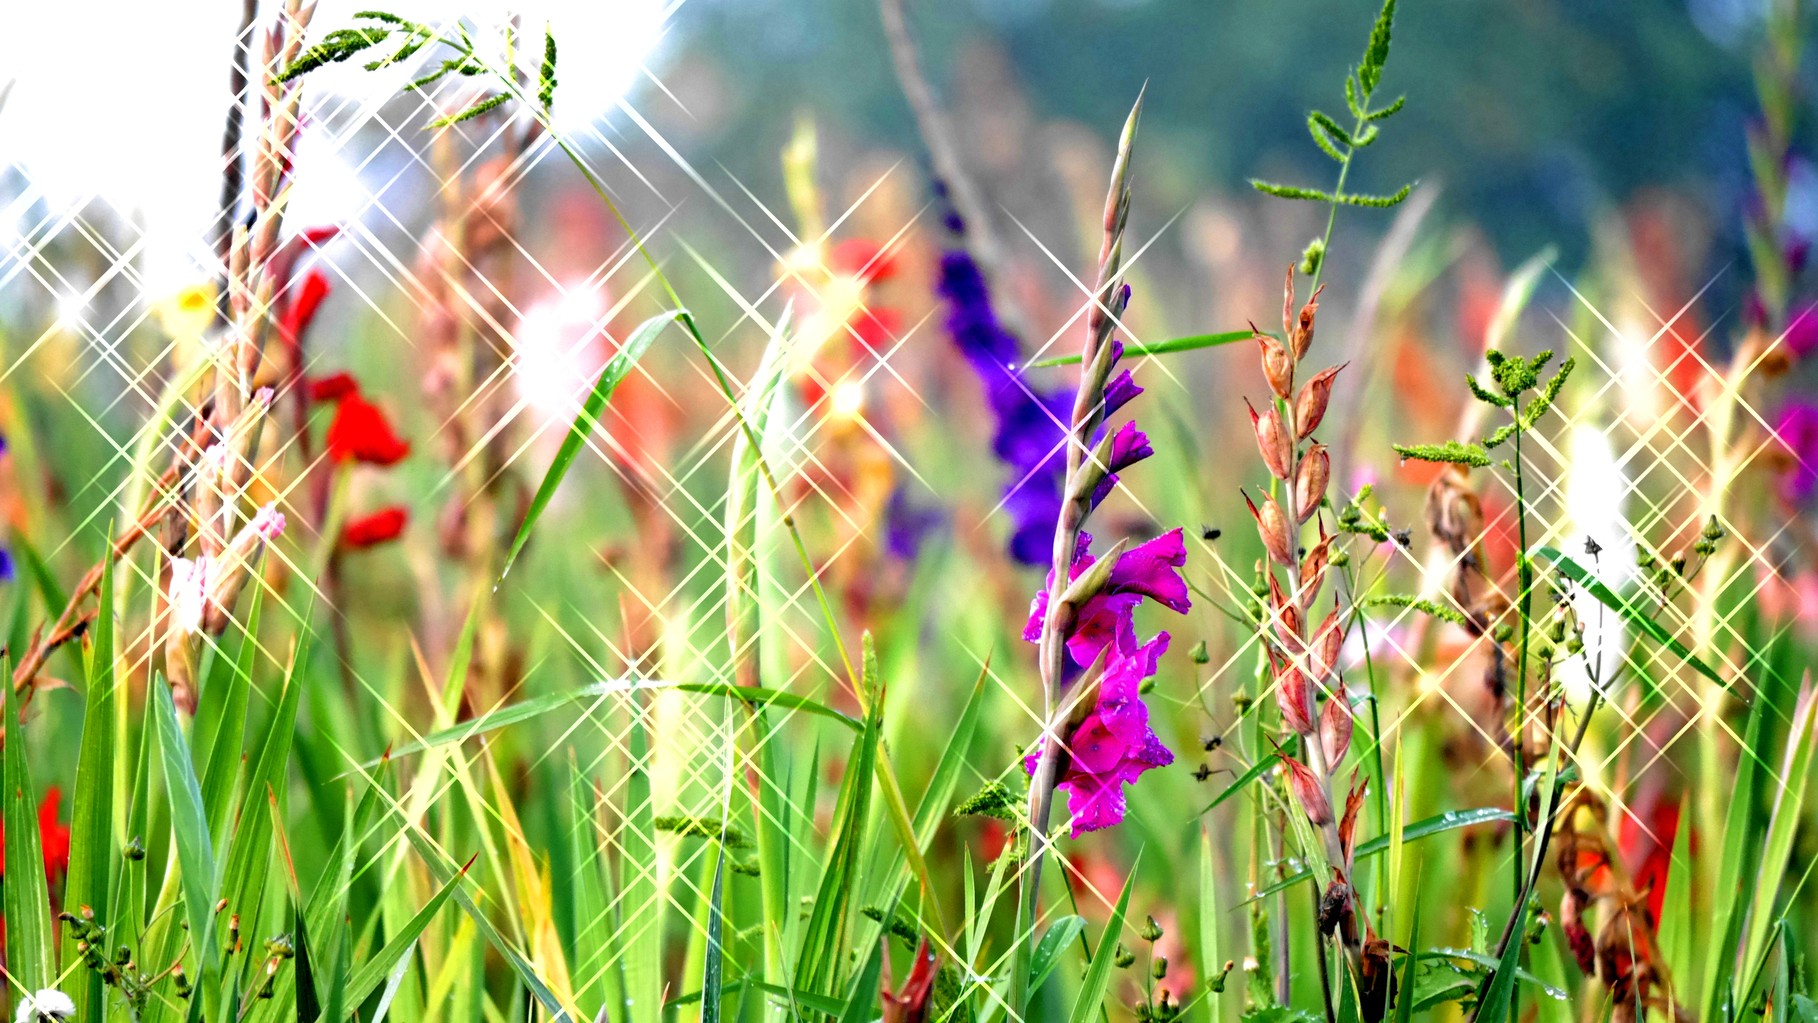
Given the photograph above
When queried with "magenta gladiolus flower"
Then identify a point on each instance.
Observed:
(1114, 744)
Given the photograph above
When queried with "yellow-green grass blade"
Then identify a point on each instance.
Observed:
(608, 381)
(93, 848)
(27, 899)
(1097, 983)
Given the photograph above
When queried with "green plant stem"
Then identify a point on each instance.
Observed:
(1524, 604)
(1344, 171)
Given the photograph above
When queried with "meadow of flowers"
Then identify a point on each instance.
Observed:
(445, 614)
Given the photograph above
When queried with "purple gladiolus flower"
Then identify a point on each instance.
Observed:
(1801, 336)
(1797, 429)
(1030, 434)
(6, 566)
(1114, 744)
(906, 526)
(1029, 437)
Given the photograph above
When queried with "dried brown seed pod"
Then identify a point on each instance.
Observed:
(1272, 440)
(1310, 406)
(1310, 481)
(1272, 526)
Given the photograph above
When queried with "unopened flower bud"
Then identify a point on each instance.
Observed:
(1159, 968)
(1122, 958)
(1200, 654)
(1151, 931)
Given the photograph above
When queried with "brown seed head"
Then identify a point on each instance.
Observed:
(1310, 406)
(1277, 364)
(1272, 440)
(1307, 790)
(1335, 730)
(1310, 481)
(1273, 527)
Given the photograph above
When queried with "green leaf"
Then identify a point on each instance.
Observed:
(824, 942)
(492, 102)
(1629, 612)
(1783, 825)
(546, 74)
(1097, 983)
(195, 851)
(388, 959)
(615, 372)
(1453, 452)
(1178, 344)
(1369, 73)
(220, 772)
(93, 848)
(1404, 1006)
(1381, 202)
(1428, 607)
(1059, 935)
(641, 901)
(1328, 136)
(25, 897)
(1291, 191)
(713, 970)
(335, 47)
(526, 710)
(1256, 771)
(1387, 112)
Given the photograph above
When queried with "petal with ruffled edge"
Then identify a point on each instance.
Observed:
(1153, 570)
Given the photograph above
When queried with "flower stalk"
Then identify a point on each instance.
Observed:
(1100, 352)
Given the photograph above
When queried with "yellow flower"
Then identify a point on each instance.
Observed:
(188, 314)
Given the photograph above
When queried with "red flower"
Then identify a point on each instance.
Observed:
(53, 837)
(333, 387)
(866, 260)
(299, 308)
(361, 433)
(381, 526)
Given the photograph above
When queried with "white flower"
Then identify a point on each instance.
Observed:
(47, 1005)
(188, 594)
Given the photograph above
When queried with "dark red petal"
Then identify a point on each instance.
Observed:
(382, 526)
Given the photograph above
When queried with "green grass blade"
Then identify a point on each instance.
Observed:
(527, 710)
(615, 372)
(387, 960)
(1097, 984)
(1060, 934)
(1407, 993)
(1438, 824)
(221, 771)
(93, 847)
(1740, 831)
(1789, 802)
(1641, 621)
(1178, 344)
(641, 902)
(822, 953)
(713, 970)
(1243, 781)
(195, 851)
(26, 898)
(1209, 962)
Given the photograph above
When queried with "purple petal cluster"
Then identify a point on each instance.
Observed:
(1030, 432)
(1797, 430)
(1114, 744)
